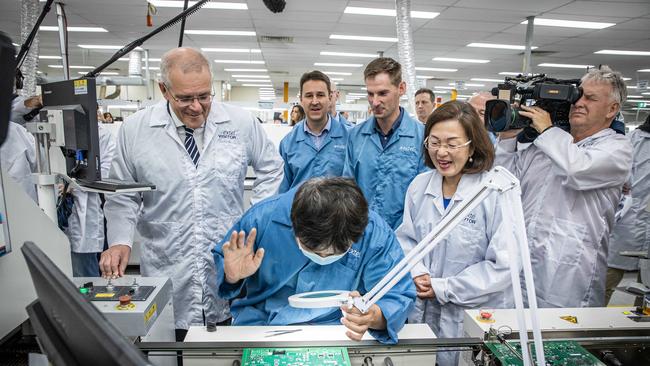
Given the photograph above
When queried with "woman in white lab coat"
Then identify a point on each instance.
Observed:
(469, 269)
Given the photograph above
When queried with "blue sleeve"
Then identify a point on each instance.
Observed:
(227, 291)
(397, 303)
(348, 166)
(288, 175)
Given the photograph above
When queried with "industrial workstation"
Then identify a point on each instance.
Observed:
(341, 182)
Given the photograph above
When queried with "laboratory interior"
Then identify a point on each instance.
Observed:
(325, 182)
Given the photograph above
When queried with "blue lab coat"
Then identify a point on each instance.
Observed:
(285, 271)
(302, 160)
(384, 174)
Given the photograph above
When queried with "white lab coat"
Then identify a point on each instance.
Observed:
(192, 208)
(18, 157)
(632, 232)
(86, 222)
(569, 193)
(470, 268)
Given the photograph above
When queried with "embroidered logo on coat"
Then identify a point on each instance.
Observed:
(355, 253)
(228, 134)
(339, 147)
(407, 149)
(471, 218)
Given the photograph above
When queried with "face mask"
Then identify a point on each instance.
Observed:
(320, 260)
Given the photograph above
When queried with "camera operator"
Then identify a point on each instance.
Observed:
(571, 184)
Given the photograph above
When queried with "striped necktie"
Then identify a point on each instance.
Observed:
(190, 146)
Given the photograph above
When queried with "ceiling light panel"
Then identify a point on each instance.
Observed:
(570, 23)
(363, 38)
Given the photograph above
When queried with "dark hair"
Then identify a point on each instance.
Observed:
(106, 114)
(646, 125)
(428, 91)
(483, 155)
(329, 213)
(301, 111)
(387, 65)
(315, 75)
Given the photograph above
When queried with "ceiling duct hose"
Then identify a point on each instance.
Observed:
(405, 49)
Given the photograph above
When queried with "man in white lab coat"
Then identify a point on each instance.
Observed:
(571, 184)
(196, 151)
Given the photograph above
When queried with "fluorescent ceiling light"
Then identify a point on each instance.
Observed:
(337, 79)
(463, 96)
(499, 46)
(101, 73)
(570, 23)
(435, 69)
(122, 106)
(444, 87)
(72, 67)
(363, 38)
(637, 96)
(638, 101)
(641, 94)
(643, 70)
(424, 77)
(388, 12)
(245, 70)
(467, 60)
(44, 57)
(209, 5)
(509, 73)
(626, 79)
(252, 80)
(151, 68)
(565, 66)
(249, 76)
(259, 62)
(487, 79)
(631, 87)
(621, 52)
(206, 32)
(467, 84)
(337, 73)
(48, 28)
(336, 64)
(104, 47)
(436, 91)
(267, 89)
(231, 50)
(347, 54)
(257, 85)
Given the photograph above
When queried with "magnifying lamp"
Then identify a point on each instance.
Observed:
(498, 179)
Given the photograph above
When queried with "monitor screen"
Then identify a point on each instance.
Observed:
(70, 330)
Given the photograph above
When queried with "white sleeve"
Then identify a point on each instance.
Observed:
(407, 236)
(506, 155)
(121, 209)
(600, 165)
(106, 150)
(266, 162)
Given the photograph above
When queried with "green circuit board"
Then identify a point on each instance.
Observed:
(557, 353)
(314, 356)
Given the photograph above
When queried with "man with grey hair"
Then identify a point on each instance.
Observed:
(478, 101)
(569, 208)
(196, 151)
(338, 116)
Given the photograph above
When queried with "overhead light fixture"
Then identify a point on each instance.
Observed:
(631, 87)
(245, 70)
(637, 96)
(444, 87)
(487, 79)
(425, 77)
(347, 54)
(231, 50)
(72, 67)
(388, 12)
(626, 79)
(207, 32)
(438, 69)
(468, 84)
(104, 47)
(249, 76)
(363, 38)
(48, 28)
(622, 52)
(509, 73)
(643, 70)
(336, 64)
(500, 46)
(337, 79)
(641, 94)
(253, 80)
(104, 73)
(209, 5)
(44, 57)
(267, 89)
(570, 23)
(436, 91)
(337, 73)
(151, 68)
(257, 62)
(257, 85)
(466, 60)
(565, 66)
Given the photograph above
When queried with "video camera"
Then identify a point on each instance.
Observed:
(552, 95)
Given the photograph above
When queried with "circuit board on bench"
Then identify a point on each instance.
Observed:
(312, 356)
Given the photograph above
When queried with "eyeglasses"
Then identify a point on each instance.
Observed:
(187, 101)
(435, 145)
